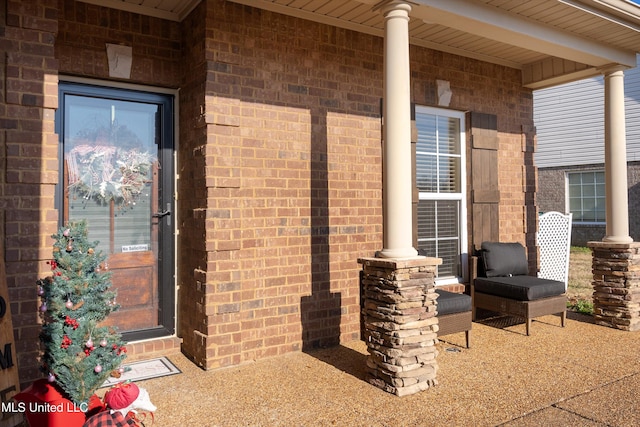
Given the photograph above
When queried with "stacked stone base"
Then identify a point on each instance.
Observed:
(616, 283)
(401, 326)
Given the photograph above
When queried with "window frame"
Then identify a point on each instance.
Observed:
(460, 196)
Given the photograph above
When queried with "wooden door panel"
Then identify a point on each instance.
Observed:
(135, 281)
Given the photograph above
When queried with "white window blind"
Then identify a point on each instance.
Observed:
(439, 177)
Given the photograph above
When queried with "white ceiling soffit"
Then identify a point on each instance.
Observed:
(173, 10)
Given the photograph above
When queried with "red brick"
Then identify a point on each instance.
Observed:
(247, 155)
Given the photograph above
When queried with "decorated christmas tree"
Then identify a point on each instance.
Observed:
(79, 355)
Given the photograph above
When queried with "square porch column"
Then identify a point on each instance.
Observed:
(616, 284)
(400, 323)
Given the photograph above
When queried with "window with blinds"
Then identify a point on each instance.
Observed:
(439, 177)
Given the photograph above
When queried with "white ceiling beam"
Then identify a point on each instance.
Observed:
(495, 24)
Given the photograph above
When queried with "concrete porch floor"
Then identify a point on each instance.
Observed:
(580, 375)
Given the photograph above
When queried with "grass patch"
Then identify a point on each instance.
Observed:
(579, 288)
(581, 306)
(580, 250)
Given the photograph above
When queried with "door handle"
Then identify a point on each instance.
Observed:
(161, 214)
(166, 213)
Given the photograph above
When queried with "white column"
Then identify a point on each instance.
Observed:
(615, 158)
(396, 155)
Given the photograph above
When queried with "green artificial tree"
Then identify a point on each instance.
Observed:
(79, 355)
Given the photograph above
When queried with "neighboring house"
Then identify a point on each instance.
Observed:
(570, 156)
(228, 154)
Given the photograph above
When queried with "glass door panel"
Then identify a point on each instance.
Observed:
(114, 144)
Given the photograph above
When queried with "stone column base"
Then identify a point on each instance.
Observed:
(401, 326)
(616, 283)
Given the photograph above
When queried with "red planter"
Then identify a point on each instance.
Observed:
(45, 406)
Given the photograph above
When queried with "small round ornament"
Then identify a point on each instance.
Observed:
(69, 304)
(103, 342)
(89, 343)
(121, 370)
(97, 369)
(43, 307)
(66, 232)
(40, 290)
(51, 378)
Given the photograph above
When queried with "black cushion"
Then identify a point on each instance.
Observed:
(451, 302)
(521, 288)
(504, 259)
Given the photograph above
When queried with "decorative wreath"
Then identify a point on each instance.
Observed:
(106, 165)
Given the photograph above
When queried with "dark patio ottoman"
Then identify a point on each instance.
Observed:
(454, 314)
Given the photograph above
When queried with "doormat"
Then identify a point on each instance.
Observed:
(144, 370)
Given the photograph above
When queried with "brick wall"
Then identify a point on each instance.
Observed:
(292, 188)
(85, 29)
(28, 85)
(279, 189)
(194, 276)
(292, 161)
(551, 189)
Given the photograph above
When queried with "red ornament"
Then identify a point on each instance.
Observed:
(119, 350)
(66, 342)
(71, 322)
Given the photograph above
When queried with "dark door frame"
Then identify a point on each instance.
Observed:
(166, 260)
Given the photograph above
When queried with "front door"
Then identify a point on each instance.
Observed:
(117, 174)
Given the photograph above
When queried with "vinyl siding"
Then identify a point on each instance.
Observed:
(569, 121)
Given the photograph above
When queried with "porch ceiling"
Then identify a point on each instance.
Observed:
(551, 41)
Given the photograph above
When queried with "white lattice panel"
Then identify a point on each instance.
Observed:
(554, 240)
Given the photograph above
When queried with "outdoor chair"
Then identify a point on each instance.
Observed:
(500, 283)
(454, 314)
